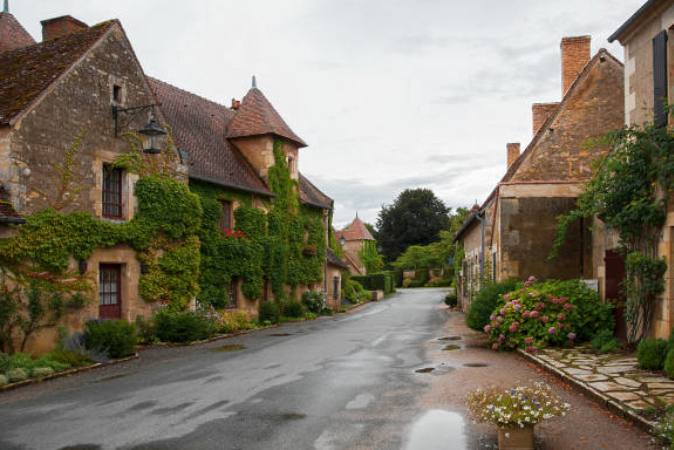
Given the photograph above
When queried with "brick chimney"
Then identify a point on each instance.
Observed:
(575, 54)
(61, 26)
(540, 112)
(513, 152)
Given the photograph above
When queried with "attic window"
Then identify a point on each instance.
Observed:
(291, 164)
(117, 93)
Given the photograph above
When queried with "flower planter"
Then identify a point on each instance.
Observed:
(516, 438)
(310, 251)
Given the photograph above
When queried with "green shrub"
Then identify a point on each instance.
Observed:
(651, 353)
(605, 342)
(5, 362)
(354, 292)
(382, 281)
(41, 372)
(115, 338)
(540, 315)
(269, 312)
(485, 302)
(292, 309)
(233, 321)
(439, 282)
(16, 375)
(70, 358)
(183, 326)
(407, 282)
(669, 363)
(451, 300)
(313, 301)
(145, 330)
(3, 380)
(28, 363)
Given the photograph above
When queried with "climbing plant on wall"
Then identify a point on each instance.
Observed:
(630, 192)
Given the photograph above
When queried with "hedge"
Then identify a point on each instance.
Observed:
(382, 281)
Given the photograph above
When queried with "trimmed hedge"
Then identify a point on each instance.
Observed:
(115, 338)
(381, 281)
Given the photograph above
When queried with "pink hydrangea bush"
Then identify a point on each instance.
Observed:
(546, 314)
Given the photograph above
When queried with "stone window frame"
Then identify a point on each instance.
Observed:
(113, 83)
(129, 201)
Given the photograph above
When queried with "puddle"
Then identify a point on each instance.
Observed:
(450, 338)
(425, 370)
(476, 365)
(281, 334)
(229, 348)
(438, 430)
(449, 348)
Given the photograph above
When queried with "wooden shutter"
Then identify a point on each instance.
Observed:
(660, 79)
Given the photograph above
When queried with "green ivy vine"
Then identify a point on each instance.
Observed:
(629, 193)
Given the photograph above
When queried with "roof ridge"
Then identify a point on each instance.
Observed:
(213, 102)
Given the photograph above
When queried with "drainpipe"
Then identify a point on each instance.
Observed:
(482, 220)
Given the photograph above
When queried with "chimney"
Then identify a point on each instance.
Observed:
(575, 54)
(513, 152)
(61, 26)
(236, 104)
(540, 112)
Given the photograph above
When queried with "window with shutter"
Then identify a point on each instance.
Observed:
(660, 79)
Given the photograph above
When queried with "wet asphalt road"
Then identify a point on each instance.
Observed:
(346, 382)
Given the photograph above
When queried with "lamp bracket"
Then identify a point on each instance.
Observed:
(116, 111)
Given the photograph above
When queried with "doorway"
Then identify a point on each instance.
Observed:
(110, 291)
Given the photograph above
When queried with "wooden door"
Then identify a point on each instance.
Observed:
(615, 275)
(110, 291)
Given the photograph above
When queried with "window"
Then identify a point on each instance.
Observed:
(233, 293)
(117, 93)
(226, 218)
(112, 192)
(660, 79)
(291, 165)
(109, 291)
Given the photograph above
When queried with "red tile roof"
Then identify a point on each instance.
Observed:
(12, 34)
(26, 72)
(356, 231)
(311, 195)
(256, 117)
(199, 127)
(335, 261)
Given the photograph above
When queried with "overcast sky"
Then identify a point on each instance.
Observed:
(389, 94)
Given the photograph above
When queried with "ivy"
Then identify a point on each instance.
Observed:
(629, 193)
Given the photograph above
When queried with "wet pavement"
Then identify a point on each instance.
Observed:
(392, 375)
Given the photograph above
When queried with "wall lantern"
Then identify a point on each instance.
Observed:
(152, 130)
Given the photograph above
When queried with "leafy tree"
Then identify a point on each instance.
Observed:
(371, 228)
(416, 217)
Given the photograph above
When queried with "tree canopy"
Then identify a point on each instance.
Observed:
(416, 217)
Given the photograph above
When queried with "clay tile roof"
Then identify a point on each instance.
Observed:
(311, 195)
(7, 212)
(335, 261)
(256, 116)
(12, 34)
(356, 231)
(199, 127)
(26, 72)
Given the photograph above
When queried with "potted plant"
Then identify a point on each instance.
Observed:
(515, 412)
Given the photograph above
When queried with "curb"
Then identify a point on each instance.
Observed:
(597, 396)
(65, 373)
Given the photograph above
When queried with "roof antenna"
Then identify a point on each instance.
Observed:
(254, 80)
(5, 8)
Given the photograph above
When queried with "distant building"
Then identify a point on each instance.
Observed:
(353, 239)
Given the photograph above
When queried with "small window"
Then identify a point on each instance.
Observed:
(226, 218)
(112, 192)
(291, 164)
(117, 93)
(233, 294)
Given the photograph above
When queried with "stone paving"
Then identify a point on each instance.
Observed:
(614, 378)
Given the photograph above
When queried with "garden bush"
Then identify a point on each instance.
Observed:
(651, 353)
(3, 380)
(313, 301)
(233, 321)
(292, 309)
(41, 372)
(669, 363)
(69, 358)
(16, 375)
(381, 281)
(269, 312)
(183, 326)
(115, 338)
(145, 330)
(407, 282)
(451, 300)
(440, 282)
(354, 292)
(485, 302)
(605, 342)
(540, 315)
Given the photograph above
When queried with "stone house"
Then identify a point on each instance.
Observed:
(84, 86)
(353, 239)
(57, 92)
(647, 38)
(511, 234)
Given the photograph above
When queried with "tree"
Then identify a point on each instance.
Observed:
(371, 228)
(416, 217)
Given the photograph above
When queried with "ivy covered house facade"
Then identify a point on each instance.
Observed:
(265, 226)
